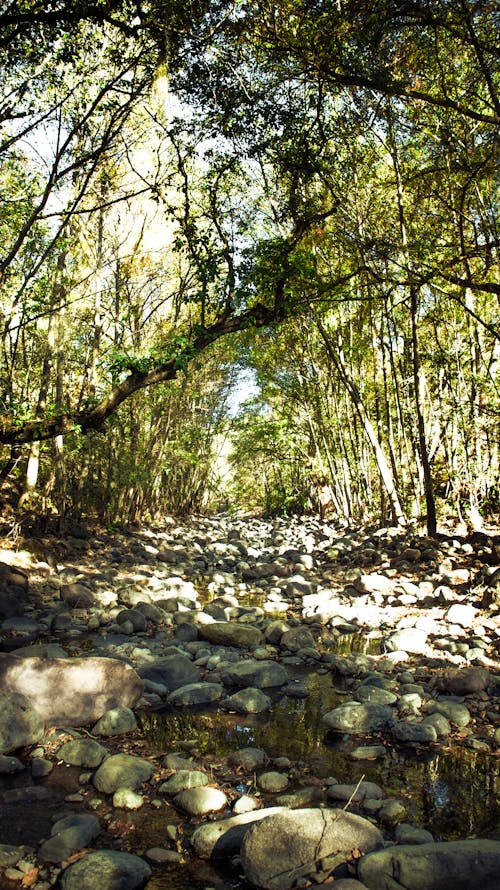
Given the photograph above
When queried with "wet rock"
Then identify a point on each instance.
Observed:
(355, 792)
(107, 870)
(249, 759)
(353, 718)
(40, 767)
(283, 848)
(261, 674)
(392, 812)
(201, 800)
(10, 765)
(71, 691)
(82, 752)
(227, 633)
(412, 834)
(116, 721)
(452, 865)
(183, 779)
(122, 771)
(414, 733)
(297, 638)
(69, 834)
(219, 840)
(247, 701)
(368, 752)
(20, 723)
(196, 694)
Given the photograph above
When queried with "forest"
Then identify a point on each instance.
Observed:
(249, 259)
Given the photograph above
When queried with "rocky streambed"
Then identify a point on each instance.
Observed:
(229, 702)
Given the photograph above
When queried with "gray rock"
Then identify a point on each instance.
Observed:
(171, 671)
(283, 848)
(261, 674)
(249, 759)
(297, 638)
(183, 779)
(227, 633)
(82, 752)
(464, 681)
(77, 596)
(375, 694)
(247, 701)
(353, 718)
(107, 870)
(272, 782)
(71, 691)
(69, 834)
(126, 799)
(122, 771)
(20, 723)
(134, 616)
(412, 834)
(10, 765)
(414, 733)
(41, 767)
(452, 865)
(10, 855)
(368, 752)
(455, 712)
(355, 792)
(196, 694)
(221, 839)
(201, 800)
(116, 721)
(440, 724)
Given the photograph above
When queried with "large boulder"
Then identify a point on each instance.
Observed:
(71, 691)
(446, 865)
(222, 839)
(20, 723)
(277, 852)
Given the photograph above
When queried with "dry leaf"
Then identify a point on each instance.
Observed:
(30, 877)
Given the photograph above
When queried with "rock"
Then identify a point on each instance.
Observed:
(440, 724)
(221, 839)
(247, 701)
(13, 576)
(183, 779)
(227, 633)
(463, 681)
(392, 812)
(68, 835)
(355, 792)
(297, 638)
(414, 733)
(20, 723)
(77, 596)
(136, 618)
(196, 694)
(116, 721)
(126, 799)
(172, 671)
(462, 614)
(201, 800)
(107, 870)
(71, 691)
(249, 759)
(368, 752)
(158, 855)
(286, 847)
(409, 639)
(82, 752)
(412, 834)
(10, 855)
(374, 583)
(452, 865)
(41, 767)
(376, 695)
(122, 771)
(455, 712)
(272, 782)
(353, 718)
(261, 674)
(10, 765)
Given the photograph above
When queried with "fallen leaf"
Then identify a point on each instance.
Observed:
(30, 877)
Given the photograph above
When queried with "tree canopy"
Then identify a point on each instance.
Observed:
(174, 173)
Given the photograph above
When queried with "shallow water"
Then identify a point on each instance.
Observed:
(453, 792)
